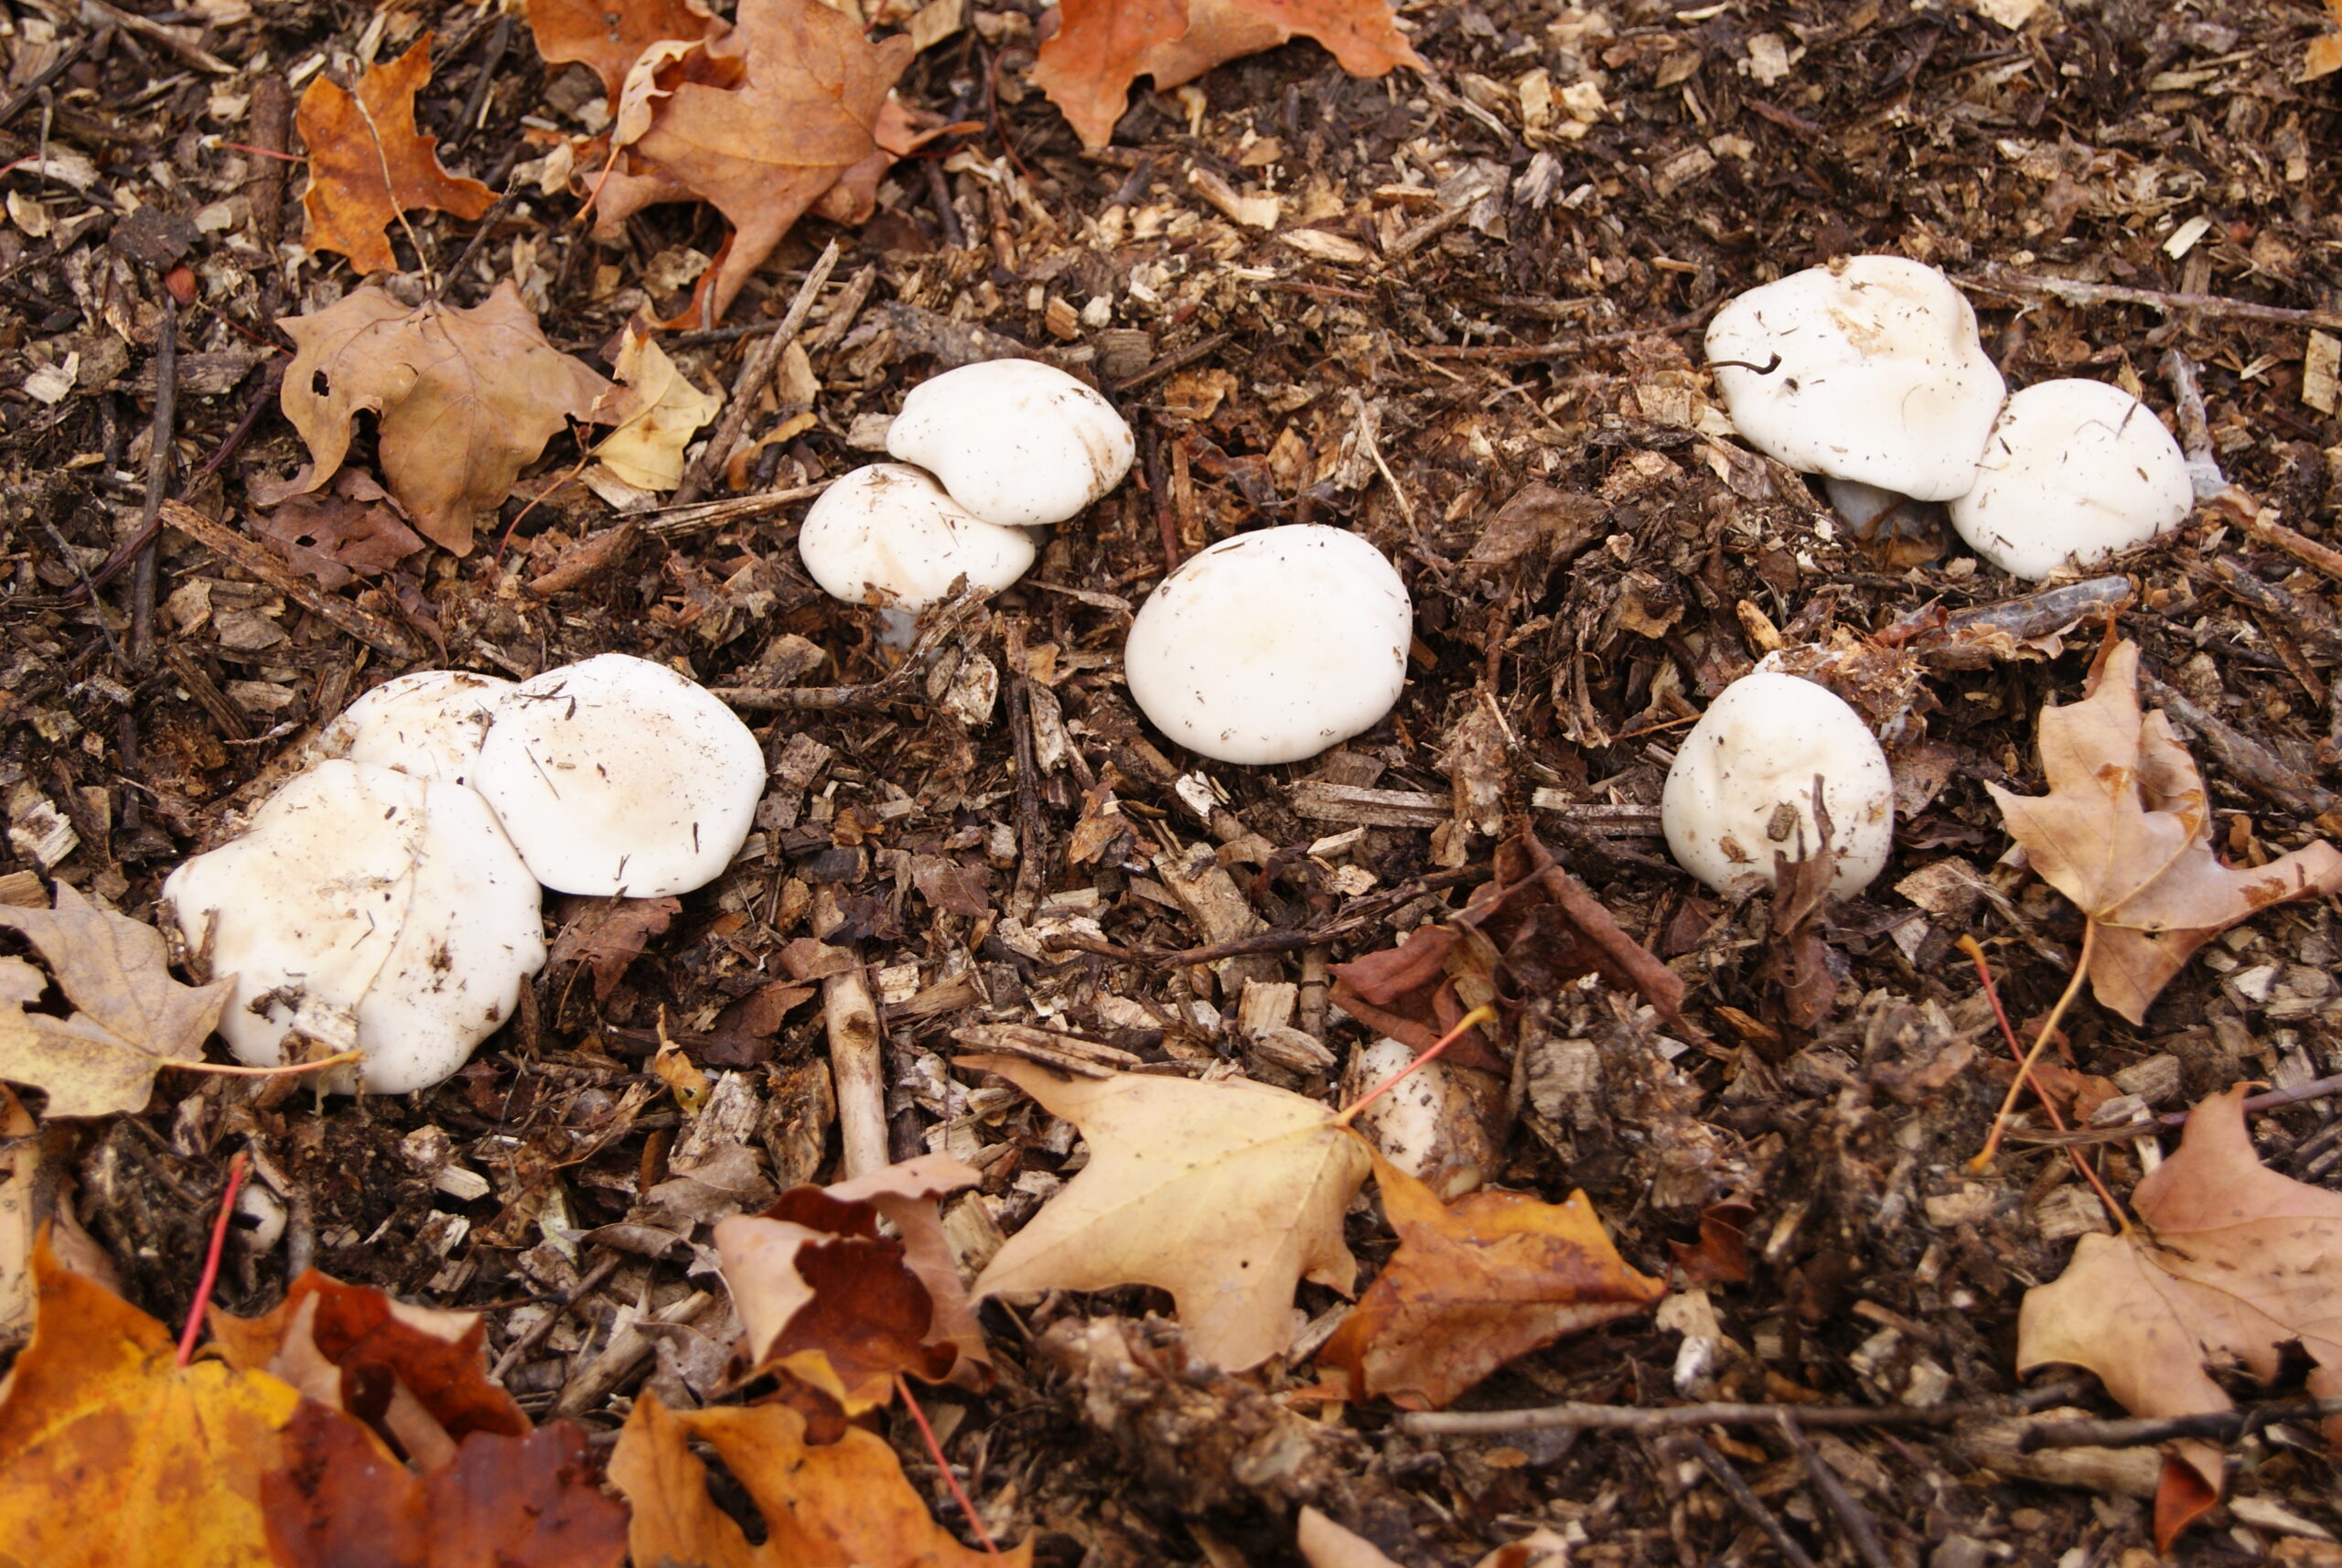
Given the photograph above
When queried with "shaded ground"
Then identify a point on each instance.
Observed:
(1504, 290)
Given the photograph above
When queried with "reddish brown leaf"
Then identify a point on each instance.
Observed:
(607, 37)
(1722, 1256)
(334, 536)
(367, 163)
(607, 934)
(1475, 1284)
(1582, 939)
(524, 1501)
(951, 886)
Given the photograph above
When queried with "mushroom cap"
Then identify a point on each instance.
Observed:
(365, 907)
(1742, 786)
(618, 777)
(1014, 441)
(428, 723)
(889, 533)
(1272, 646)
(1881, 376)
(2075, 471)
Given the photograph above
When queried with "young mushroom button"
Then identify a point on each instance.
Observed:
(617, 776)
(889, 534)
(2075, 471)
(1868, 369)
(364, 908)
(1742, 786)
(1272, 646)
(428, 723)
(1014, 441)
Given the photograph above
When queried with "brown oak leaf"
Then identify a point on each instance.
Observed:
(609, 934)
(835, 1503)
(367, 163)
(334, 535)
(133, 1018)
(463, 399)
(608, 39)
(2231, 1264)
(2125, 831)
(803, 113)
(1100, 46)
(1474, 1284)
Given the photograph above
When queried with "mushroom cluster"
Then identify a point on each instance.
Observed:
(1870, 373)
(982, 454)
(386, 900)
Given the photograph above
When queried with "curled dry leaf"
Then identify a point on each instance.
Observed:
(463, 399)
(2232, 1263)
(525, 1500)
(608, 40)
(1227, 1195)
(607, 934)
(807, 92)
(334, 535)
(367, 163)
(824, 1298)
(829, 1504)
(656, 409)
(133, 1018)
(2126, 833)
(111, 1453)
(1104, 46)
(1474, 1284)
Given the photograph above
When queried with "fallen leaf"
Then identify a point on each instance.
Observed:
(2126, 833)
(825, 1506)
(1474, 1284)
(334, 535)
(1798, 959)
(1100, 46)
(656, 409)
(463, 399)
(607, 934)
(20, 1157)
(1224, 1194)
(608, 39)
(1325, 1544)
(1721, 1255)
(762, 152)
(416, 1375)
(2230, 1264)
(133, 1018)
(527, 1501)
(824, 1298)
(2325, 56)
(165, 1461)
(367, 163)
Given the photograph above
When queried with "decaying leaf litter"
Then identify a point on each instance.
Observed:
(1453, 309)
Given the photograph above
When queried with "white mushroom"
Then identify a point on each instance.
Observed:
(1742, 786)
(1014, 441)
(428, 723)
(364, 908)
(1272, 646)
(617, 776)
(888, 535)
(1868, 369)
(2075, 471)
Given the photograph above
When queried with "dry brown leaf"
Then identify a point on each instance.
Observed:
(2126, 833)
(825, 1506)
(112, 1455)
(133, 1019)
(20, 1158)
(1325, 1544)
(1227, 1195)
(608, 40)
(609, 934)
(1100, 46)
(656, 410)
(762, 152)
(822, 1296)
(1474, 1284)
(367, 163)
(334, 535)
(2325, 56)
(463, 399)
(2231, 1264)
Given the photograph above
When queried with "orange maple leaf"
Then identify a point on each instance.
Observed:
(608, 40)
(367, 163)
(1100, 46)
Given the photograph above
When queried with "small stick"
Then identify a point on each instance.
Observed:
(476, 106)
(857, 1071)
(2220, 1425)
(544, 1325)
(1860, 1531)
(1969, 945)
(2252, 763)
(145, 570)
(2213, 306)
(1691, 1445)
(211, 1258)
(898, 686)
(750, 381)
(1029, 831)
(943, 1466)
(262, 563)
(1525, 354)
(1983, 1159)
(1581, 1417)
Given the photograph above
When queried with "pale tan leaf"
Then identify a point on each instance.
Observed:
(656, 410)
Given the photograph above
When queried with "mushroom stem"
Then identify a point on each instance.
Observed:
(856, 1071)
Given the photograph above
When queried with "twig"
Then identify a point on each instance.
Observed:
(476, 105)
(211, 1258)
(1860, 1534)
(2204, 476)
(544, 1326)
(1524, 353)
(48, 73)
(159, 440)
(666, 521)
(1577, 1417)
(1691, 1445)
(365, 625)
(857, 1072)
(179, 41)
(2317, 1089)
(900, 685)
(1030, 835)
(1177, 359)
(1975, 951)
(750, 382)
(481, 236)
(2247, 761)
(1983, 1159)
(2222, 1425)
(2074, 291)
